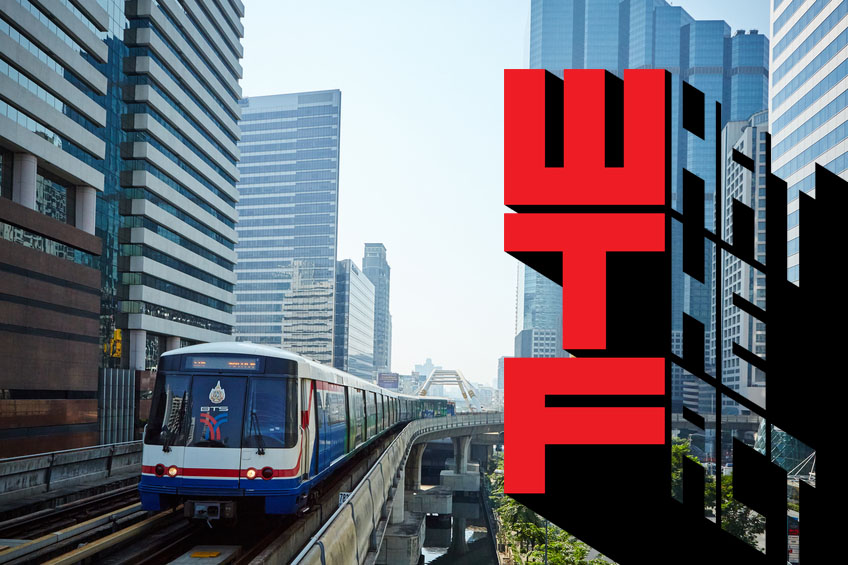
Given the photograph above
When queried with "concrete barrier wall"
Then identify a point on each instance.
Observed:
(339, 541)
(33, 474)
(347, 536)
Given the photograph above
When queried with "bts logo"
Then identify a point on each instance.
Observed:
(212, 425)
(583, 172)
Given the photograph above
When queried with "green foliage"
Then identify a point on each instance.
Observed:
(680, 449)
(524, 530)
(563, 549)
(736, 518)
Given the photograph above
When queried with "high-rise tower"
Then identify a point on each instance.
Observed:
(808, 100)
(654, 34)
(288, 221)
(118, 168)
(354, 339)
(377, 269)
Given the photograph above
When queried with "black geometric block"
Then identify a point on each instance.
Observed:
(743, 231)
(693, 110)
(693, 226)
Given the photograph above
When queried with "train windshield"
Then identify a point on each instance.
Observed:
(167, 414)
(271, 418)
(223, 411)
(217, 411)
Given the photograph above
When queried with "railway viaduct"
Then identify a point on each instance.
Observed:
(382, 521)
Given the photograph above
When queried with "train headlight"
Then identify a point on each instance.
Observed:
(172, 471)
(159, 470)
(267, 473)
(251, 473)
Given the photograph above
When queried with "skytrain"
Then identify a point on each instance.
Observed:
(235, 425)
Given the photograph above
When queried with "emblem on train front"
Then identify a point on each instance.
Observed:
(217, 395)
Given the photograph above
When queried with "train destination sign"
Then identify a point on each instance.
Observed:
(216, 362)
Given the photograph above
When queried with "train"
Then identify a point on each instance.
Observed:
(237, 427)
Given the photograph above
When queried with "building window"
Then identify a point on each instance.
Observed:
(55, 198)
(5, 174)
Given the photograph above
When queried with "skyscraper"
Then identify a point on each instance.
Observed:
(178, 175)
(808, 99)
(119, 120)
(654, 34)
(500, 379)
(376, 268)
(288, 221)
(354, 339)
(737, 277)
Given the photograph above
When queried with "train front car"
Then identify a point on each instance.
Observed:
(224, 428)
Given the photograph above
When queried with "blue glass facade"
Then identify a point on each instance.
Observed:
(601, 35)
(729, 70)
(354, 340)
(377, 269)
(288, 222)
(557, 35)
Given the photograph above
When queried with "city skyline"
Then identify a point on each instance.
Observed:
(440, 224)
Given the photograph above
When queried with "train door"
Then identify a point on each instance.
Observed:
(356, 418)
(331, 419)
(308, 433)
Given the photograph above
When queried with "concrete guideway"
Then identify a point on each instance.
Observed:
(32, 546)
(355, 533)
(54, 476)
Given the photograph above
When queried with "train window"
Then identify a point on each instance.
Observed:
(167, 410)
(216, 407)
(371, 411)
(271, 417)
(381, 425)
(333, 402)
(357, 417)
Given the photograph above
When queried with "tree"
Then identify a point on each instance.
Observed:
(736, 518)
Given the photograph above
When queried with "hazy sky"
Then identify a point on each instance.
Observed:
(421, 158)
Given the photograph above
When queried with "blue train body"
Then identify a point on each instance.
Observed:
(237, 423)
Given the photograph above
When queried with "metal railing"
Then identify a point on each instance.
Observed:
(351, 532)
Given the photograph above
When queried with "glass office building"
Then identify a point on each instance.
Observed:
(377, 269)
(809, 98)
(288, 222)
(654, 34)
(354, 340)
(737, 277)
(178, 174)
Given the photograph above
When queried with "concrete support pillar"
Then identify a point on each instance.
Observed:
(86, 211)
(413, 467)
(397, 503)
(173, 342)
(459, 545)
(481, 454)
(23, 179)
(461, 447)
(138, 349)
